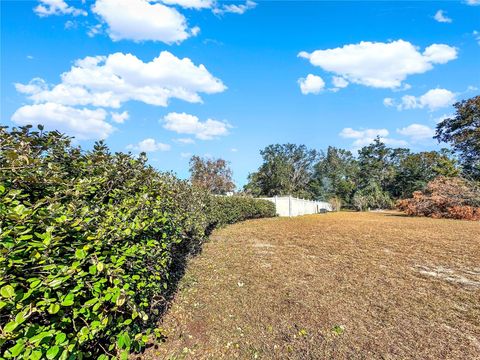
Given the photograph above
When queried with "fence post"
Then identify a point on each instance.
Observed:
(289, 205)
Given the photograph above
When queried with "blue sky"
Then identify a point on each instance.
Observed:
(315, 73)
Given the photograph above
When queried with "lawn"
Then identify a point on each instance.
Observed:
(334, 286)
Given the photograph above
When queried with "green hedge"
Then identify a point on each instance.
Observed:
(224, 210)
(91, 244)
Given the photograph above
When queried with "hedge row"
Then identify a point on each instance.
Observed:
(224, 210)
(90, 245)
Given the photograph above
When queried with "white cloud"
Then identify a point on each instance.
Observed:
(183, 123)
(185, 154)
(443, 117)
(30, 57)
(476, 34)
(439, 54)
(365, 137)
(339, 82)
(94, 30)
(84, 124)
(433, 99)
(417, 132)
(140, 20)
(149, 145)
(57, 7)
(350, 133)
(109, 81)
(69, 24)
(312, 84)
(437, 98)
(234, 150)
(120, 118)
(380, 65)
(473, 2)
(388, 102)
(235, 9)
(441, 16)
(191, 4)
(185, 141)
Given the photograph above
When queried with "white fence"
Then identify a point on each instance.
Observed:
(290, 206)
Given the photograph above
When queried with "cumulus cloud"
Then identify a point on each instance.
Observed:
(433, 99)
(84, 124)
(339, 82)
(141, 20)
(441, 16)
(312, 84)
(149, 145)
(183, 123)
(365, 137)
(120, 118)
(380, 65)
(57, 7)
(417, 132)
(109, 81)
(235, 9)
(388, 102)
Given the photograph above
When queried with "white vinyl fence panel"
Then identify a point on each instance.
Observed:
(290, 206)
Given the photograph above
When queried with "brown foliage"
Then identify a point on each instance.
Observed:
(213, 175)
(452, 198)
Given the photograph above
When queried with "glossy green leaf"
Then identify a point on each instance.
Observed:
(52, 352)
(17, 348)
(53, 308)
(7, 291)
(68, 300)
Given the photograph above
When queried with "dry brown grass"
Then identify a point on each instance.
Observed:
(335, 286)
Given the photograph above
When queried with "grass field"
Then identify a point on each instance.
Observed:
(334, 286)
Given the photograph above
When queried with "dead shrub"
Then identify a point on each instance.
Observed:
(452, 198)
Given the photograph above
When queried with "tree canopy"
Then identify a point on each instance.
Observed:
(286, 170)
(462, 132)
(213, 175)
(374, 179)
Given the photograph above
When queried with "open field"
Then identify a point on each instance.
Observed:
(335, 286)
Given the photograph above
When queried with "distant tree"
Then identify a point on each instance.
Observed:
(415, 171)
(377, 168)
(335, 176)
(377, 164)
(214, 175)
(286, 170)
(462, 132)
(372, 196)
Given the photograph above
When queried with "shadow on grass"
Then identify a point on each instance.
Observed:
(182, 253)
(402, 215)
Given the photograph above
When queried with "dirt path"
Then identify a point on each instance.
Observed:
(335, 286)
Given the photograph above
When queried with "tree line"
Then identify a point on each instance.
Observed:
(373, 178)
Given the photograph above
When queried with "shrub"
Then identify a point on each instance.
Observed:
(453, 198)
(336, 203)
(90, 246)
(372, 197)
(224, 210)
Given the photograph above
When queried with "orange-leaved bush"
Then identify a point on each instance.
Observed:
(451, 198)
